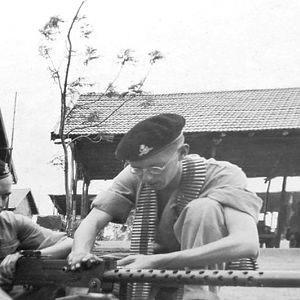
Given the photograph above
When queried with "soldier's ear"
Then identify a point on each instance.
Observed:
(184, 150)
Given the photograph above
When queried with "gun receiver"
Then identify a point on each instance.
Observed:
(38, 271)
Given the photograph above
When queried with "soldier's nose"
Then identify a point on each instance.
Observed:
(147, 177)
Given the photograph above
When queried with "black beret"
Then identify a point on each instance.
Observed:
(149, 137)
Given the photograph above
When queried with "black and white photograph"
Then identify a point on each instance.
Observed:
(150, 150)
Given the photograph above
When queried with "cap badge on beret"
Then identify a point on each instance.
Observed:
(143, 150)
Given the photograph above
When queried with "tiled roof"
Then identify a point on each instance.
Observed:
(225, 111)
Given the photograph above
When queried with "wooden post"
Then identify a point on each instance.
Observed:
(213, 151)
(84, 197)
(74, 177)
(282, 213)
(73, 187)
(216, 141)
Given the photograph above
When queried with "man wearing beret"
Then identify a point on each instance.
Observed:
(18, 232)
(191, 212)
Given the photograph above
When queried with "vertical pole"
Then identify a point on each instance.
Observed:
(213, 151)
(266, 202)
(12, 133)
(74, 179)
(216, 141)
(72, 188)
(84, 198)
(282, 213)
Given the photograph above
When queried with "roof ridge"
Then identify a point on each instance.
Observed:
(204, 92)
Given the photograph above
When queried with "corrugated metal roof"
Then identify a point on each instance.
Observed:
(225, 111)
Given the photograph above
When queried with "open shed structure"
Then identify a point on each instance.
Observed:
(259, 130)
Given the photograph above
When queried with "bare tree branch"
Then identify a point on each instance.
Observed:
(134, 90)
(69, 88)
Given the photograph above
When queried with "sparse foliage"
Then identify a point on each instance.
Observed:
(90, 54)
(57, 30)
(155, 56)
(52, 28)
(126, 56)
(57, 160)
(68, 87)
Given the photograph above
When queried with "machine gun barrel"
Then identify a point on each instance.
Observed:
(207, 277)
(39, 271)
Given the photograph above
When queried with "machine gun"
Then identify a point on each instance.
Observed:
(101, 277)
(35, 270)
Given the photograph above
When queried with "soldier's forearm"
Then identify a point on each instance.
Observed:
(60, 250)
(223, 250)
(86, 233)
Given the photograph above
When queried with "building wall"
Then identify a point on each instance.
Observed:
(23, 208)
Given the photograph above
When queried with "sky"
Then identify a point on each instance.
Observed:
(208, 46)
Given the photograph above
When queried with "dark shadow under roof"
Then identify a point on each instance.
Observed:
(59, 201)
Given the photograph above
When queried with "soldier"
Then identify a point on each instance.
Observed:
(18, 232)
(201, 210)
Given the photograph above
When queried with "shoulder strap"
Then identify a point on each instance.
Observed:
(144, 225)
(192, 180)
(142, 237)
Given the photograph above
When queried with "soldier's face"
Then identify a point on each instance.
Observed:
(5, 191)
(159, 170)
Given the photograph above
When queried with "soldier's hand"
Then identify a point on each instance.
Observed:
(139, 261)
(8, 265)
(82, 260)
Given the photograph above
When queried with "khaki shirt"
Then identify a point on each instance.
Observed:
(18, 232)
(224, 182)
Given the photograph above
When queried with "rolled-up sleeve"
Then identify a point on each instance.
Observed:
(227, 184)
(120, 197)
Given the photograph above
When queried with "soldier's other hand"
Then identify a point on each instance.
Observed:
(139, 261)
